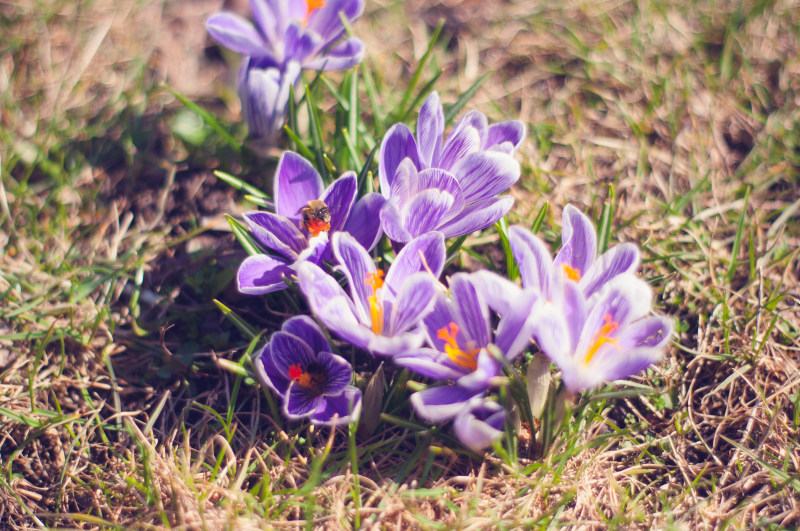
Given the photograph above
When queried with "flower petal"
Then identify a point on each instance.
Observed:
(236, 33)
(288, 350)
(305, 328)
(620, 259)
(277, 233)
(430, 129)
(534, 261)
(467, 137)
(398, 144)
(260, 274)
(420, 254)
(471, 309)
(326, 22)
(412, 303)
(339, 198)
(511, 132)
(340, 409)
(651, 332)
(478, 215)
(268, 373)
(426, 210)
(429, 363)
(342, 56)
(579, 239)
(357, 266)
(516, 327)
(300, 402)
(392, 222)
(497, 291)
(364, 221)
(338, 370)
(485, 174)
(296, 183)
(267, 20)
(480, 424)
(440, 404)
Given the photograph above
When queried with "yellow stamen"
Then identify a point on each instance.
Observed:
(311, 6)
(464, 358)
(375, 281)
(601, 338)
(571, 273)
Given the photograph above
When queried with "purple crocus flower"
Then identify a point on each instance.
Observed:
(451, 187)
(381, 315)
(297, 363)
(291, 30)
(611, 339)
(305, 216)
(459, 334)
(288, 36)
(480, 423)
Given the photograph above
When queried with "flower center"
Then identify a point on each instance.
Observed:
(316, 217)
(601, 338)
(463, 358)
(375, 282)
(311, 6)
(312, 377)
(571, 273)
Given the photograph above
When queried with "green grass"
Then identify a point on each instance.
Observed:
(127, 396)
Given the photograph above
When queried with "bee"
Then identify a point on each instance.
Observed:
(316, 217)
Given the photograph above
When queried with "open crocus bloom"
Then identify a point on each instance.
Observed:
(292, 31)
(305, 216)
(610, 339)
(297, 363)
(459, 332)
(451, 187)
(383, 312)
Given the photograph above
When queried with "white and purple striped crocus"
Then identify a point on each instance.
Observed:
(383, 312)
(297, 363)
(306, 214)
(288, 36)
(450, 186)
(459, 330)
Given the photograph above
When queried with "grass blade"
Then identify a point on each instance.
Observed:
(240, 184)
(209, 120)
(462, 100)
(242, 233)
(737, 241)
(604, 233)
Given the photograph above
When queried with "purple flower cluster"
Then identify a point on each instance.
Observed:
(288, 36)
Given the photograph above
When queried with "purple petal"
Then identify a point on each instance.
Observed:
(343, 56)
(318, 287)
(426, 210)
(485, 174)
(579, 239)
(397, 344)
(440, 404)
(487, 368)
(364, 222)
(420, 254)
(533, 260)
(625, 297)
(266, 19)
(277, 233)
(338, 316)
(429, 363)
(317, 251)
(471, 309)
(512, 132)
(264, 100)
(326, 22)
(412, 303)
(262, 274)
(574, 309)
(338, 370)
(296, 183)
(404, 185)
(516, 327)
(357, 266)
(430, 129)
(551, 331)
(398, 144)
(478, 215)
(339, 409)
(288, 350)
(269, 374)
(467, 137)
(307, 330)
(236, 33)
(392, 222)
(339, 198)
(300, 44)
(497, 291)
(441, 315)
(618, 260)
(651, 332)
(300, 401)
(479, 425)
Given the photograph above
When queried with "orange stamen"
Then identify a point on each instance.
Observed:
(601, 338)
(311, 6)
(463, 358)
(300, 376)
(571, 273)
(315, 226)
(375, 281)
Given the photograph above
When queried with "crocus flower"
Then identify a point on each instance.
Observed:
(301, 31)
(305, 216)
(450, 186)
(382, 314)
(480, 423)
(609, 340)
(459, 333)
(297, 363)
(289, 35)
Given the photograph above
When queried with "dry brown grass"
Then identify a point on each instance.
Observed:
(678, 106)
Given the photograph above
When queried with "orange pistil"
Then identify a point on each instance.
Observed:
(571, 273)
(311, 6)
(312, 377)
(601, 338)
(375, 281)
(315, 226)
(300, 376)
(463, 358)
